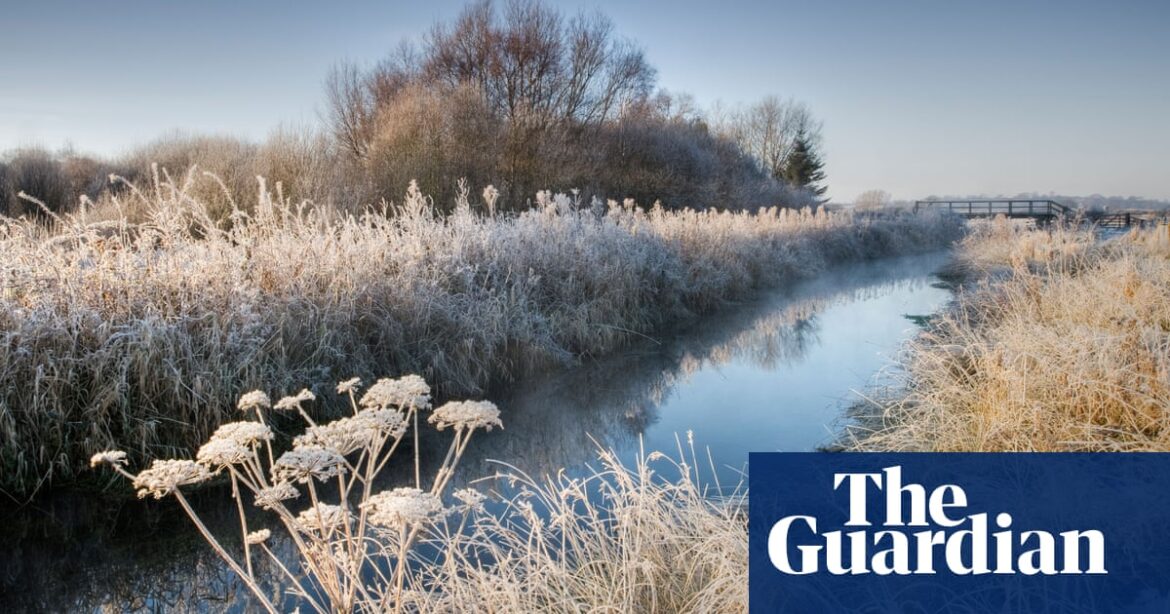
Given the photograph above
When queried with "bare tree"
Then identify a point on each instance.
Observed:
(533, 66)
(526, 97)
(768, 129)
(546, 77)
(872, 199)
(350, 108)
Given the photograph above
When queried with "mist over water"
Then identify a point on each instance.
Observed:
(770, 374)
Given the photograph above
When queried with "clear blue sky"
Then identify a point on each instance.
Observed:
(917, 96)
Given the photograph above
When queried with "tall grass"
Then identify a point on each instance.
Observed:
(1067, 348)
(137, 335)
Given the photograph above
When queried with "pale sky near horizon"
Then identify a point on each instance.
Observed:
(918, 97)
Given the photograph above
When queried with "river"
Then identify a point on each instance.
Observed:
(772, 374)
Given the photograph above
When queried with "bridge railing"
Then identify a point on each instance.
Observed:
(992, 207)
(1041, 210)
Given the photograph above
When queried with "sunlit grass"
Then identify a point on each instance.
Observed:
(1068, 348)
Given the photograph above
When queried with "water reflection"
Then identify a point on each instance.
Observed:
(771, 374)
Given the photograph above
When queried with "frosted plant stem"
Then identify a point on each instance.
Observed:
(243, 522)
(247, 578)
(417, 475)
(292, 578)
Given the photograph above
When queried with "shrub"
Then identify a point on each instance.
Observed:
(38, 173)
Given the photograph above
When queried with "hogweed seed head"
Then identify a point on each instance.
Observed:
(471, 498)
(221, 452)
(323, 518)
(243, 433)
(258, 537)
(254, 400)
(308, 462)
(402, 507)
(466, 415)
(350, 434)
(388, 422)
(294, 402)
(406, 391)
(349, 385)
(113, 457)
(269, 498)
(165, 476)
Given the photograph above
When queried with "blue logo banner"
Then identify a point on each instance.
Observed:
(1028, 532)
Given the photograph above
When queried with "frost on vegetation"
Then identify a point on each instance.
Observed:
(324, 518)
(254, 400)
(329, 530)
(407, 391)
(166, 476)
(1067, 350)
(170, 314)
(112, 457)
(258, 537)
(358, 548)
(347, 435)
(467, 415)
(222, 452)
(295, 401)
(243, 433)
(306, 463)
(403, 507)
(269, 498)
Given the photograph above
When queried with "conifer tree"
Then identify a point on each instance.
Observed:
(803, 168)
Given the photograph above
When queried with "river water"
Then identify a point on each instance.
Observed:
(772, 374)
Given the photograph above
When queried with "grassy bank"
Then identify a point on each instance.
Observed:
(1061, 341)
(141, 335)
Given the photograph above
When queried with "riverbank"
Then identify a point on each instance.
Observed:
(141, 337)
(1059, 342)
(784, 361)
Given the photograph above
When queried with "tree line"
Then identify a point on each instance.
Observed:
(520, 96)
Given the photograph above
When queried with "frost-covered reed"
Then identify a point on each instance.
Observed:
(138, 335)
(1066, 346)
(617, 539)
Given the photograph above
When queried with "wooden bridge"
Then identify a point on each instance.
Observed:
(1040, 210)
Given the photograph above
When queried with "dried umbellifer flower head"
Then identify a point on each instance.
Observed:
(308, 462)
(402, 507)
(254, 400)
(294, 402)
(165, 476)
(112, 457)
(349, 385)
(406, 391)
(269, 498)
(221, 452)
(258, 537)
(243, 433)
(323, 518)
(466, 415)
